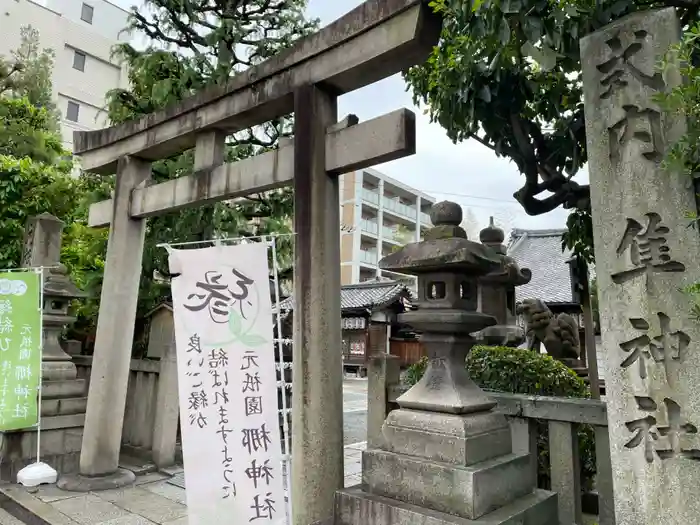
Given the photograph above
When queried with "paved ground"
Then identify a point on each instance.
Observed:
(156, 501)
(8, 519)
(153, 500)
(354, 411)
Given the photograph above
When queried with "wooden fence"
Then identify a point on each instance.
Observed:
(562, 416)
(408, 351)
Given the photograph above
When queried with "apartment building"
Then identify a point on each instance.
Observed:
(378, 214)
(82, 34)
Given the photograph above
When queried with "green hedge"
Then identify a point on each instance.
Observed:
(519, 371)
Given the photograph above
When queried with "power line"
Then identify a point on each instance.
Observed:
(473, 197)
(464, 195)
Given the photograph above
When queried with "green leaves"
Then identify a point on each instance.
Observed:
(34, 178)
(545, 56)
(508, 73)
(579, 235)
(504, 31)
(511, 6)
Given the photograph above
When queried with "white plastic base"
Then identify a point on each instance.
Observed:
(36, 474)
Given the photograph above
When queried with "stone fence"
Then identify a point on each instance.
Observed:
(151, 426)
(151, 415)
(562, 415)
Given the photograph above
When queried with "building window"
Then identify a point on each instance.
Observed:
(86, 14)
(79, 61)
(72, 111)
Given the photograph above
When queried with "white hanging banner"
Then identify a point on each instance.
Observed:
(231, 442)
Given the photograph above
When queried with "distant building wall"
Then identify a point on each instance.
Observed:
(378, 214)
(84, 70)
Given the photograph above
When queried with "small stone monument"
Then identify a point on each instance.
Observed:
(446, 456)
(497, 292)
(646, 254)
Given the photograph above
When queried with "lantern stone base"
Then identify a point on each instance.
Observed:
(469, 492)
(356, 507)
(449, 438)
(440, 468)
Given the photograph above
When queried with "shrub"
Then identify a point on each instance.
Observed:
(519, 371)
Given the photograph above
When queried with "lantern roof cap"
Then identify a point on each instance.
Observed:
(445, 248)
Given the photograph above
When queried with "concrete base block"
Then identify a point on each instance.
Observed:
(63, 388)
(77, 483)
(66, 463)
(60, 448)
(355, 507)
(449, 438)
(469, 492)
(58, 370)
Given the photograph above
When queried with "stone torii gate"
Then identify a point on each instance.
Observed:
(376, 40)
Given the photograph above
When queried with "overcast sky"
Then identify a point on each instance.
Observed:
(467, 173)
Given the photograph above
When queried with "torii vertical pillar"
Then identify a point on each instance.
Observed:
(317, 388)
(99, 457)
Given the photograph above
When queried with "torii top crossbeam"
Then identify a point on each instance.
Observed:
(373, 41)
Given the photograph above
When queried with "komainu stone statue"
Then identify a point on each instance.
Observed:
(558, 334)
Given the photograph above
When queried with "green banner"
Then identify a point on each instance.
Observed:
(20, 349)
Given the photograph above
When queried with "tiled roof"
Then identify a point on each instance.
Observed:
(371, 294)
(540, 251)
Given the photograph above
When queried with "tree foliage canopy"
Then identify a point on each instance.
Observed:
(507, 73)
(28, 70)
(36, 173)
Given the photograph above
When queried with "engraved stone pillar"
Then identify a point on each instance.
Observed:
(42, 247)
(446, 456)
(645, 255)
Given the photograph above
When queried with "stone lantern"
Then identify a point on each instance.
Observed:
(497, 292)
(42, 248)
(59, 291)
(446, 456)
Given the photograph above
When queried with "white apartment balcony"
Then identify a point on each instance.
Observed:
(425, 219)
(369, 226)
(397, 208)
(390, 235)
(369, 257)
(371, 197)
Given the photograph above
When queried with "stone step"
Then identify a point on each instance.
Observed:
(138, 466)
(63, 389)
(355, 507)
(8, 519)
(31, 510)
(63, 406)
